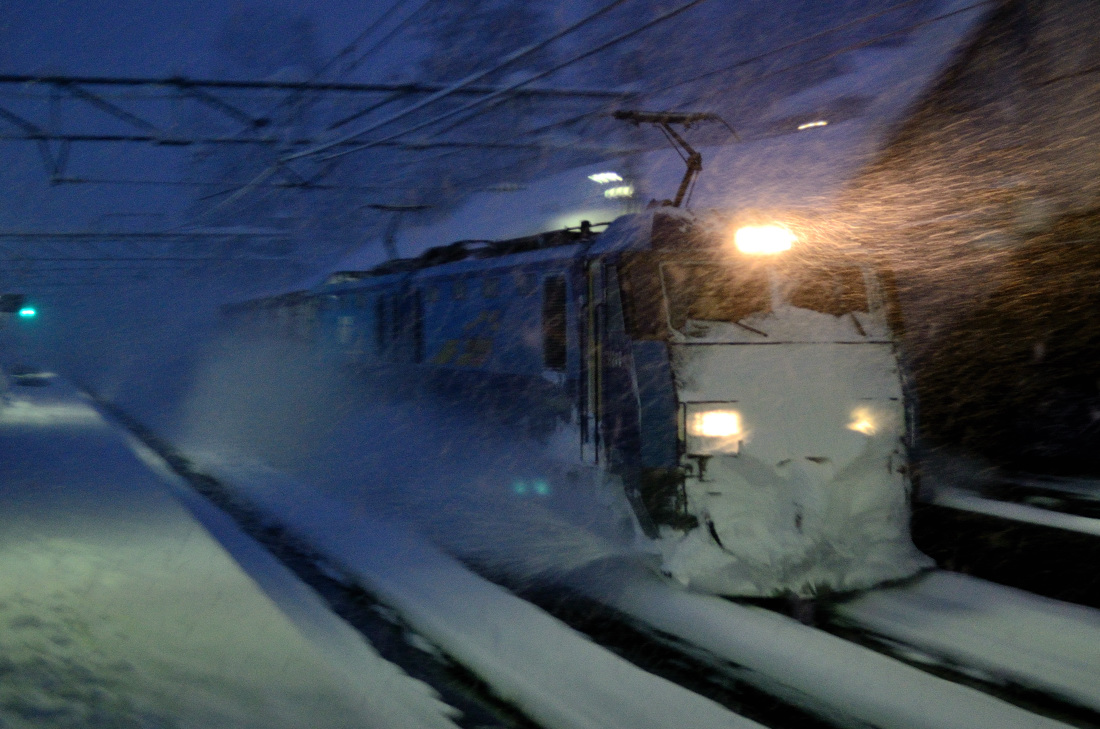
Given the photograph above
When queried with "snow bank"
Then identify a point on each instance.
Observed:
(117, 608)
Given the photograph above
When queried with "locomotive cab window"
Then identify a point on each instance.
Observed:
(553, 323)
(640, 292)
(836, 290)
(702, 291)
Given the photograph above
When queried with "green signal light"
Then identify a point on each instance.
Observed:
(28, 312)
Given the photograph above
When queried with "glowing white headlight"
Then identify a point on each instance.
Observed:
(763, 239)
(712, 431)
(863, 421)
(715, 424)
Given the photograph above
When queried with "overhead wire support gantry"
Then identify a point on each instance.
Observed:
(137, 118)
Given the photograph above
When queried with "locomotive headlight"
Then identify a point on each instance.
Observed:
(715, 423)
(711, 431)
(864, 421)
(763, 239)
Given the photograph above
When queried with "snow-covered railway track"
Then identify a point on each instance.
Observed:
(551, 676)
(847, 683)
(1010, 640)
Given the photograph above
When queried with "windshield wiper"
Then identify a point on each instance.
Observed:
(754, 330)
(859, 327)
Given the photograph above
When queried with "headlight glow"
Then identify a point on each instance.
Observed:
(712, 431)
(862, 422)
(715, 424)
(763, 239)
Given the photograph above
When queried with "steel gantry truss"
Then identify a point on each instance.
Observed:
(40, 109)
(78, 258)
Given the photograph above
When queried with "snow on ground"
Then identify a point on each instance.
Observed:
(118, 609)
(1030, 640)
(552, 673)
(858, 686)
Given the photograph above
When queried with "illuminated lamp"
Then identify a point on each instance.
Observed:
(862, 422)
(763, 239)
(621, 191)
(715, 424)
(603, 178)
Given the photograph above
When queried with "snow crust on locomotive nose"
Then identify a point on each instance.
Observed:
(816, 496)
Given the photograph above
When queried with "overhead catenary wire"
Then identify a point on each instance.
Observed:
(786, 69)
(602, 47)
(443, 93)
(296, 99)
(827, 56)
(350, 48)
(742, 62)
(384, 40)
(466, 81)
(530, 79)
(746, 61)
(366, 33)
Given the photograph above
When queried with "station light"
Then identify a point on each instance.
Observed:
(538, 487)
(763, 239)
(603, 178)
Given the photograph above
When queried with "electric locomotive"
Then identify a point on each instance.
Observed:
(741, 392)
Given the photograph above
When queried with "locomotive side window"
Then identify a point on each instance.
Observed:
(833, 290)
(553, 323)
(458, 289)
(712, 292)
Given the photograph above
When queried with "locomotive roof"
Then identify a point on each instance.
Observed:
(628, 232)
(472, 250)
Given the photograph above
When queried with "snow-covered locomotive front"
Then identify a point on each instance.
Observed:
(791, 471)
